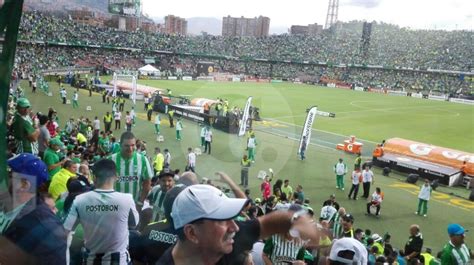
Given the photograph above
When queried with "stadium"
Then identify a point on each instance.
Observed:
(126, 140)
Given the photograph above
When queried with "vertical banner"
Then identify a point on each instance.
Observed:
(245, 117)
(134, 89)
(114, 93)
(307, 128)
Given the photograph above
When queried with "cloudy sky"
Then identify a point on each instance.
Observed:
(420, 14)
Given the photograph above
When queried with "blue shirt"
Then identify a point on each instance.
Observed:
(38, 232)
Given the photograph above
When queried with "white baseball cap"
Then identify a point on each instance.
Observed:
(204, 202)
(348, 250)
(376, 237)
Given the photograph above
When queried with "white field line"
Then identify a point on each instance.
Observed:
(296, 139)
(320, 130)
(399, 108)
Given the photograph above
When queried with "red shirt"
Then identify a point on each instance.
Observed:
(265, 188)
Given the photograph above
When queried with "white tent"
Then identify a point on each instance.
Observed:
(148, 69)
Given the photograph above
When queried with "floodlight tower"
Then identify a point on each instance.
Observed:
(333, 10)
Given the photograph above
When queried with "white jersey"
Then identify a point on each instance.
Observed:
(63, 93)
(167, 158)
(117, 115)
(106, 216)
(355, 177)
(131, 173)
(252, 143)
(96, 125)
(327, 212)
(128, 119)
(340, 169)
(192, 159)
(367, 175)
(376, 197)
(179, 126)
(208, 136)
(425, 192)
(75, 97)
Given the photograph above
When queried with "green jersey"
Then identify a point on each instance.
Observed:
(104, 144)
(22, 127)
(284, 251)
(51, 157)
(455, 256)
(131, 173)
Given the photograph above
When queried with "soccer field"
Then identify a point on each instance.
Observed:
(368, 116)
(372, 117)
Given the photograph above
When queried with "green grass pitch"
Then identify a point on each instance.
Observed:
(368, 116)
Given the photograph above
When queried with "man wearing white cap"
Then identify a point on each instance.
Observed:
(207, 234)
(348, 251)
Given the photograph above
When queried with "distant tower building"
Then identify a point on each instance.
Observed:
(175, 25)
(310, 30)
(333, 10)
(263, 26)
(241, 26)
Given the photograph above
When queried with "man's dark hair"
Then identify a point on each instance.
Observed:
(104, 169)
(180, 231)
(180, 234)
(169, 200)
(126, 136)
(67, 163)
(43, 119)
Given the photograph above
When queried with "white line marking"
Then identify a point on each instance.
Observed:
(345, 136)
(284, 117)
(397, 108)
(295, 139)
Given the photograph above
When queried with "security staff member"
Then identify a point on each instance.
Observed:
(107, 121)
(106, 216)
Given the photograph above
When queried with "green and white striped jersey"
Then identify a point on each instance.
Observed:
(282, 251)
(455, 256)
(131, 173)
(337, 226)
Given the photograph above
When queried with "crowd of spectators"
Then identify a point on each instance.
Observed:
(269, 57)
(390, 45)
(41, 56)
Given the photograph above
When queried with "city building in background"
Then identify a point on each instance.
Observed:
(175, 25)
(86, 16)
(241, 26)
(310, 30)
